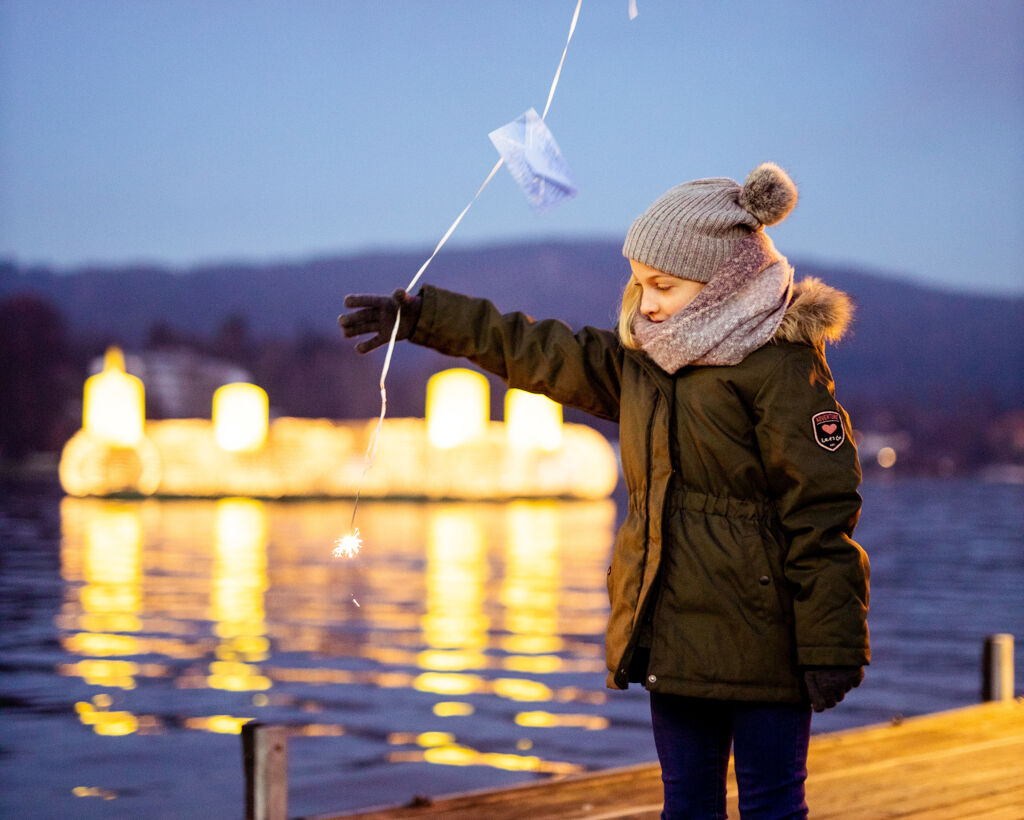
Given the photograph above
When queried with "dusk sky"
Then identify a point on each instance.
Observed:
(183, 132)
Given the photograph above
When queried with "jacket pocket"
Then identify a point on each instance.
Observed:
(767, 583)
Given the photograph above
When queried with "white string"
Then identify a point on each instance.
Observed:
(371, 448)
(455, 224)
(558, 71)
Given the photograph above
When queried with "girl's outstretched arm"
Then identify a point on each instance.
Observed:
(581, 369)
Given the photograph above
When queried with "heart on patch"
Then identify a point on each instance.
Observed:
(828, 430)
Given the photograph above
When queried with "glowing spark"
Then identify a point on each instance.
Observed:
(348, 545)
(356, 602)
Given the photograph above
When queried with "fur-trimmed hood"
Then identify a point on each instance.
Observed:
(817, 313)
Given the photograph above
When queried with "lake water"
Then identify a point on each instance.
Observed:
(462, 648)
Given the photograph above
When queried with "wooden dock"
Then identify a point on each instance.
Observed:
(965, 764)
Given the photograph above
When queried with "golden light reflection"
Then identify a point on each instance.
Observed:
(453, 708)
(240, 417)
(218, 724)
(454, 626)
(428, 739)
(458, 755)
(104, 722)
(112, 595)
(458, 407)
(530, 589)
(110, 600)
(521, 689)
(442, 684)
(119, 674)
(548, 720)
(532, 420)
(102, 644)
(113, 673)
(114, 403)
(238, 586)
(93, 791)
(452, 595)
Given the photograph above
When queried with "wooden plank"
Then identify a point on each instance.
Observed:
(265, 757)
(965, 763)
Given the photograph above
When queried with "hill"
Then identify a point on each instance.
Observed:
(910, 343)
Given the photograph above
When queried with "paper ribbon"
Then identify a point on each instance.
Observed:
(371, 449)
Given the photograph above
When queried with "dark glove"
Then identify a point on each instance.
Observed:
(826, 685)
(378, 317)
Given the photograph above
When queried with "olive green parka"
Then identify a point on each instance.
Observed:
(735, 564)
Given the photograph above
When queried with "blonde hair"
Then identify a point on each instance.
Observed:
(632, 294)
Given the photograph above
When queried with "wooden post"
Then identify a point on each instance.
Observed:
(997, 668)
(265, 757)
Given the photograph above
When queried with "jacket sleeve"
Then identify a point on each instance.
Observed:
(813, 474)
(581, 370)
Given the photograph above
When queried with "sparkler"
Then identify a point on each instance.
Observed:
(348, 545)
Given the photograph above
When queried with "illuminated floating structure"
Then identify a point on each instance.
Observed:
(456, 452)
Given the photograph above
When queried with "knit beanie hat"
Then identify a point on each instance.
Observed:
(694, 228)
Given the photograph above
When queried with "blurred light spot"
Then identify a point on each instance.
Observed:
(534, 644)
(886, 457)
(219, 724)
(93, 791)
(447, 684)
(549, 720)
(121, 674)
(434, 739)
(452, 755)
(96, 643)
(449, 661)
(106, 723)
(319, 730)
(453, 708)
(520, 689)
(236, 677)
(534, 664)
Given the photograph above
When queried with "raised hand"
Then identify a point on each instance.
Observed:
(377, 314)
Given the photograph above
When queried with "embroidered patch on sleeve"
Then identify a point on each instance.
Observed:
(828, 430)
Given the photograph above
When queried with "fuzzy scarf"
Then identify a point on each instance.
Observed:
(737, 312)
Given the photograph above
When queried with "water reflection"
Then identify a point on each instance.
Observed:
(239, 583)
(482, 609)
(454, 625)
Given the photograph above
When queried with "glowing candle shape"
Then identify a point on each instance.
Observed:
(458, 407)
(240, 417)
(114, 403)
(532, 420)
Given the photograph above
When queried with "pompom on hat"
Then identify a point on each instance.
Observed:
(694, 228)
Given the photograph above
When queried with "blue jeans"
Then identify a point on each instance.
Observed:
(693, 737)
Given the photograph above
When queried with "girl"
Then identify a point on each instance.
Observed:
(738, 596)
